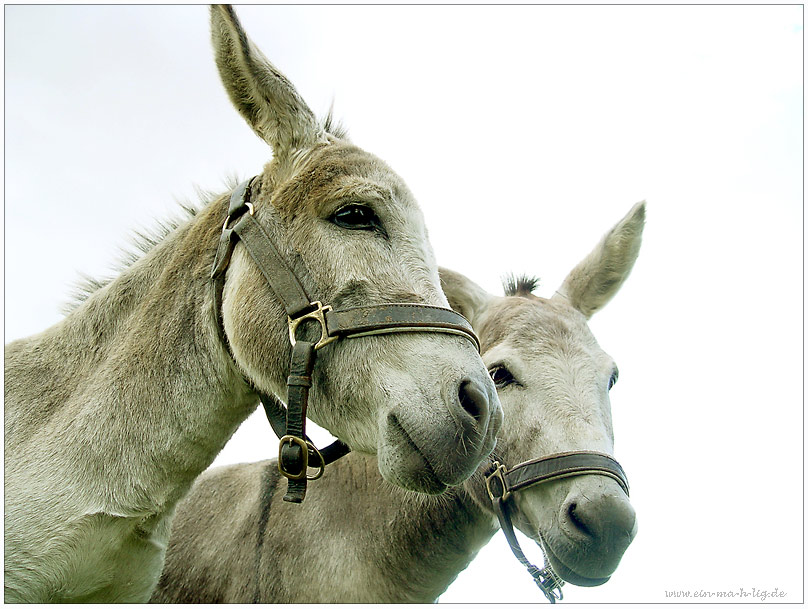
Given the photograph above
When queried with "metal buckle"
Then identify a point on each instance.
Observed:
(250, 209)
(281, 467)
(305, 447)
(549, 583)
(319, 315)
(499, 472)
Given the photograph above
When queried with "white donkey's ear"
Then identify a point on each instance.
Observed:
(592, 283)
(464, 296)
(264, 97)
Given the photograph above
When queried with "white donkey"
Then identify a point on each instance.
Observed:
(113, 412)
(359, 539)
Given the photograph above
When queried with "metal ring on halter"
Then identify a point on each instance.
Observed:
(318, 315)
(316, 453)
(305, 446)
(498, 474)
(549, 583)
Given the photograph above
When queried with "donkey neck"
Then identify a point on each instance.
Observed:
(140, 390)
(442, 534)
(410, 546)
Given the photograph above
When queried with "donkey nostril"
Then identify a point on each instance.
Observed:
(473, 400)
(575, 518)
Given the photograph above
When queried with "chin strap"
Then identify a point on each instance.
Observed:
(546, 578)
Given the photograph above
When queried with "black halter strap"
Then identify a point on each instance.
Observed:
(297, 453)
(502, 482)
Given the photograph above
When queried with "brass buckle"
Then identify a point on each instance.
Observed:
(319, 315)
(499, 472)
(250, 209)
(305, 447)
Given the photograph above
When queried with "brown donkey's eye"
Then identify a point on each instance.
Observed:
(356, 217)
(501, 376)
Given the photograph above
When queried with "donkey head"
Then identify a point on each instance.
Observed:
(353, 234)
(554, 381)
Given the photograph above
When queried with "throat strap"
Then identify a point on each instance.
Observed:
(545, 578)
(276, 414)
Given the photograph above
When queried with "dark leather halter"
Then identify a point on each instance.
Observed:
(502, 482)
(297, 452)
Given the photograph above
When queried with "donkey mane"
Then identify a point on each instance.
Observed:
(334, 126)
(521, 285)
(142, 241)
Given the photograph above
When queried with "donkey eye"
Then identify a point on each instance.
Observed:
(613, 378)
(356, 217)
(501, 376)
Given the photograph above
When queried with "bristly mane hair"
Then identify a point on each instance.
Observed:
(142, 241)
(332, 126)
(522, 285)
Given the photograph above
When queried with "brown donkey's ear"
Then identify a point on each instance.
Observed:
(464, 296)
(264, 97)
(592, 283)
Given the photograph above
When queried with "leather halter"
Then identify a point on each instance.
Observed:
(502, 482)
(297, 451)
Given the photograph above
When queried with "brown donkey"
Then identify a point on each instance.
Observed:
(358, 539)
(113, 412)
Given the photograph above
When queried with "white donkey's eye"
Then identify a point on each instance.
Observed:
(501, 376)
(613, 378)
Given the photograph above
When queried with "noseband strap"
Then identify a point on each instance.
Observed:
(297, 453)
(502, 482)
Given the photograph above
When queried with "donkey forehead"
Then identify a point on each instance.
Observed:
(532, 327)
(340, 170)
(548, 347)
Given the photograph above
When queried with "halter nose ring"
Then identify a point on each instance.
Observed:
(318, 315)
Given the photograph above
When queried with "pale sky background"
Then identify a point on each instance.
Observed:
(525, 133)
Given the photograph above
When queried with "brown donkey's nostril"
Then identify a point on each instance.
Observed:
(473, 400)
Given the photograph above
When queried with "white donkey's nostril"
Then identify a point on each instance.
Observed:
(600, 518)
(575, 518)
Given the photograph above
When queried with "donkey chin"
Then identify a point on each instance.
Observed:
(413, 456)
(587, 535)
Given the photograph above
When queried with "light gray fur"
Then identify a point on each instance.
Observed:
(112, 413)
(359, 539)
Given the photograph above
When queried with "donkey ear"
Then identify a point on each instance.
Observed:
(464, 296)
(263, 96)
(592, 283)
